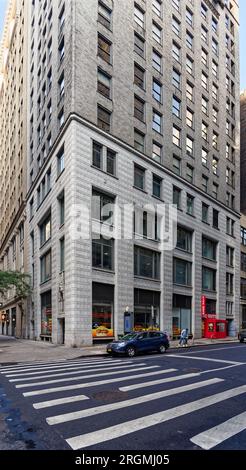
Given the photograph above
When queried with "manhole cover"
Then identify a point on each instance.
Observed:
(111, 395)
(192, 370)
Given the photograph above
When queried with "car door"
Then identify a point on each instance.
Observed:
(155, 338)
(143, 342)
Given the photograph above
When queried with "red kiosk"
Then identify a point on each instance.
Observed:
(212, 327)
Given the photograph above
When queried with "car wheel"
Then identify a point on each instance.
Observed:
(162, 349)
(131, 351)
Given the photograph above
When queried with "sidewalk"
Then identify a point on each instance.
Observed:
(19, 350)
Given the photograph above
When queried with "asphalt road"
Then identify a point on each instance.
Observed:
(186, 399)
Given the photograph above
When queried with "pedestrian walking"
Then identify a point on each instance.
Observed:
(184, 337)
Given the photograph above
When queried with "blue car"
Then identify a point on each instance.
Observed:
(141, 342)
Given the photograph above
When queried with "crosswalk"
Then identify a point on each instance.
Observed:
(128, 396)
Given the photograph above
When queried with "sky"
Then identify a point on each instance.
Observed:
(242, 3)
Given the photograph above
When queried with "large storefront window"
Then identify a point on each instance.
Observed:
(102, 310)
(181, 314)
(146, 310)
(46, 314)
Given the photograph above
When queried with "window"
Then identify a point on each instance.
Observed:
(215, 47)
(189, 146)
(189, 40)
(61, 50)
(204, 34)
(204, 105)
(243, 261)
(61, 201)
(230, 226)
(204, 183)
(156, 152)
(243, 236)
(139, 16)
(139, 140)
(176, 165)
(215, 191)
(104, 15)
(103, 207)
(204, 157)
(189, 17)
(111, 162)
(62, 255)
(157, 33)
(157, 6)
(103, 118)
(104, 49)
(215, 92)
(204, 81)
(184, 239)
(229, 284)
(204, 57)
(215, 166)
(181, 272)
(176, 52)
(31, 208)
(157, 186)
(177, 197)
(189, 65)
(60, 161)
(176, 4)
(61, 118)
(176, 80)
(215, 69)
(190, 204)
(204, 131)
(189, 91)
(209, 248)
(45, 267)
(139, 45)
(230, 257)
(139, 75)
(45, 231)
(204, 12)
(190, 173)
(103, 83)
(243, 289)
(139, 177)
(208, 279)
(146, 263)
(214, 25)
(102, 253)
(175, 26)
(176, 136)
(205, 213)
(189, 118)
(139, 108)
(97, 155)
(215, 115)
(156, 61)
(157, 122)
(157, 91)
(176, 106)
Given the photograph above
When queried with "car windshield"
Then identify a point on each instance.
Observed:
(129, 336)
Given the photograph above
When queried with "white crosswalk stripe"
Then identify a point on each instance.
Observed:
(218, 434)
(63, 408)
(123, 404)
(128, 427)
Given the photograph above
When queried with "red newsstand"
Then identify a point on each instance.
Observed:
(214, 328)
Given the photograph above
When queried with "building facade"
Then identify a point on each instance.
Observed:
(131, 103)
(242, 322)
(243, 208)
(13, 161)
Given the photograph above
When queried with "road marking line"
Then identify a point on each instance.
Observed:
(214, 436)
(128, 427)
(64, 418)
(214, 349)
(21, 365)
(49, 367)
(184, 356)
(81, 377)
(159, 381)
(76, 370)
(59, 401)
(96, 383)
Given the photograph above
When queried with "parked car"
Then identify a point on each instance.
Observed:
(144, 341)
(242, 336)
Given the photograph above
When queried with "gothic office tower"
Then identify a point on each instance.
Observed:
(134, 102)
